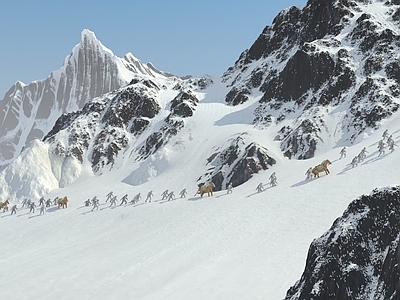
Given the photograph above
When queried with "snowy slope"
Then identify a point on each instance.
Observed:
(245, 245)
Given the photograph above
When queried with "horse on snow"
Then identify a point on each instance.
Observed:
(206, 189)
(62, 202)
(322, 167)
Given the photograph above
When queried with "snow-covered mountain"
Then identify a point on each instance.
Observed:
(328, 60)
(28, 111)
(321, 77)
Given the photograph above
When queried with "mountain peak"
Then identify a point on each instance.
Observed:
(89, 41)
(88, 34)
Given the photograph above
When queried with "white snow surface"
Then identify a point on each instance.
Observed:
(243, 245)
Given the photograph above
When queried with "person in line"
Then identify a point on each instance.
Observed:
(308, 173)
(124, 200)
(342, 153)
(164, 195)
(183, 193)
(48, 202)
(41, 201)
(109, 196)
(381, 148)
(363, 154)
(149, 196)
(14, 209)
(136, 199)
(259, 188)
(113, 201)
(95, 203)
(32, 207)
(229, 189)
(171, 196)
(354, 162)
(385, 134)
(273, 179)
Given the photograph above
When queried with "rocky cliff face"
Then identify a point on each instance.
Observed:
(30, 111)
(358, 257)
(129, 118)
(236, 163)
(330, 59)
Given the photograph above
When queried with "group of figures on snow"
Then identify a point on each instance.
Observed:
(387, 141)
(31, 205)
(95, 201)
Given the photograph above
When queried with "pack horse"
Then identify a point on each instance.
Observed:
(206, 189)
(322, 167)
(62, 202)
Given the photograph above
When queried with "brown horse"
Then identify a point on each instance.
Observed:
(62, 202)
(206, 189)
(3, 204)
(322, 167)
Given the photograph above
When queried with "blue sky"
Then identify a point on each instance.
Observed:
(181, 37)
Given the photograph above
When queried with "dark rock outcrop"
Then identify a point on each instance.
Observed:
(236, 164)
(358, 257)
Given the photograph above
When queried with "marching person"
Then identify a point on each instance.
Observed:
(229, 190)
(149, 196)
(385, 134)
(171, 196)
(309, 173)
(109, 196)
(95, 203)
(32, 207)
(363, 153)
(183, 193)
(14, 209)
(273, 179)
(342, 153)
(354, 162)
(164, 195)
(113, 201)
(124, 199)
(381, 148)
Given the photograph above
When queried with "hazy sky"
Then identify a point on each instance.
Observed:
(180, 37)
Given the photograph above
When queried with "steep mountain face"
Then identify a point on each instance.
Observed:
(131, 118)
(358, 257)
(330, 59)
(29, 111)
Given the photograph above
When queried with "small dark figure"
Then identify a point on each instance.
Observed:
(149, 196)
(124, 199)
(229, 189)
(171, 196)
(164, 194)
(32, 207)
(183, 193)
(14, 209)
